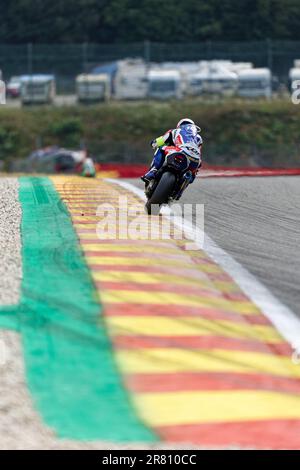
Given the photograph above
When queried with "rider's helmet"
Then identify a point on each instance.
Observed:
(185, 122)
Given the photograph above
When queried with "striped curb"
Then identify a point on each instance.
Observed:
(202, 363)
(70, 369)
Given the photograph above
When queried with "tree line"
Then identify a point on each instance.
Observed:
(127, 21)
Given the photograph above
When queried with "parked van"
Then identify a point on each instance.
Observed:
(38, 89)
(165, 84)
(255, 83)
(92, 88)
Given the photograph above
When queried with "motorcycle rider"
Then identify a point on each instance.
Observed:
(170, 139)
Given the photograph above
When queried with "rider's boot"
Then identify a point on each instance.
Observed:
(155, 165)
(149, 176)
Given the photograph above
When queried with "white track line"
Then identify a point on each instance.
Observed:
(286, 322)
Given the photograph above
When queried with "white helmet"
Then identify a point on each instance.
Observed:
(185, 121)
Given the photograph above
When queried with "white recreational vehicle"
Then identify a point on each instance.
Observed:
(92, 88)
(239, 66)
(130, 81)
(186, 69)
(296, 63)
(213, 80)
(254, 83)
(165, 84)
(294, 76)
(37, 89)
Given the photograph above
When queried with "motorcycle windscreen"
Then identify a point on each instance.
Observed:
(186, 134)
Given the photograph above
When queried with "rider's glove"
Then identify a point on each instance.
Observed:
(153, 144)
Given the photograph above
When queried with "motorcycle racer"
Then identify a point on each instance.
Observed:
(185, 132)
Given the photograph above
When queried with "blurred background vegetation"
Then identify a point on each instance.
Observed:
(119, 21)
(237, 133)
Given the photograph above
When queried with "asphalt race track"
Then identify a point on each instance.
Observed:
(257, 221)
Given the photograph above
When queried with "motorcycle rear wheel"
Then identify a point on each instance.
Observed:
(161, 194)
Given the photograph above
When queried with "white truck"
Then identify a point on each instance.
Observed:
(255, 83)
(165, 84)
(92, 88)
(130, 82)
(37, 89)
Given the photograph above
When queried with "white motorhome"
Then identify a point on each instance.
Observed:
(37, 89)
(130, 82)
(224, 64)
(239, 66)
(165, 84)
(294, 76)
(216, 64)
(296, 63)
(92, 88)
(213, 80)
(186, 69)
(255, 83)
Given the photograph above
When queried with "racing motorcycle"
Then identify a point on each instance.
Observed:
(173, 177)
